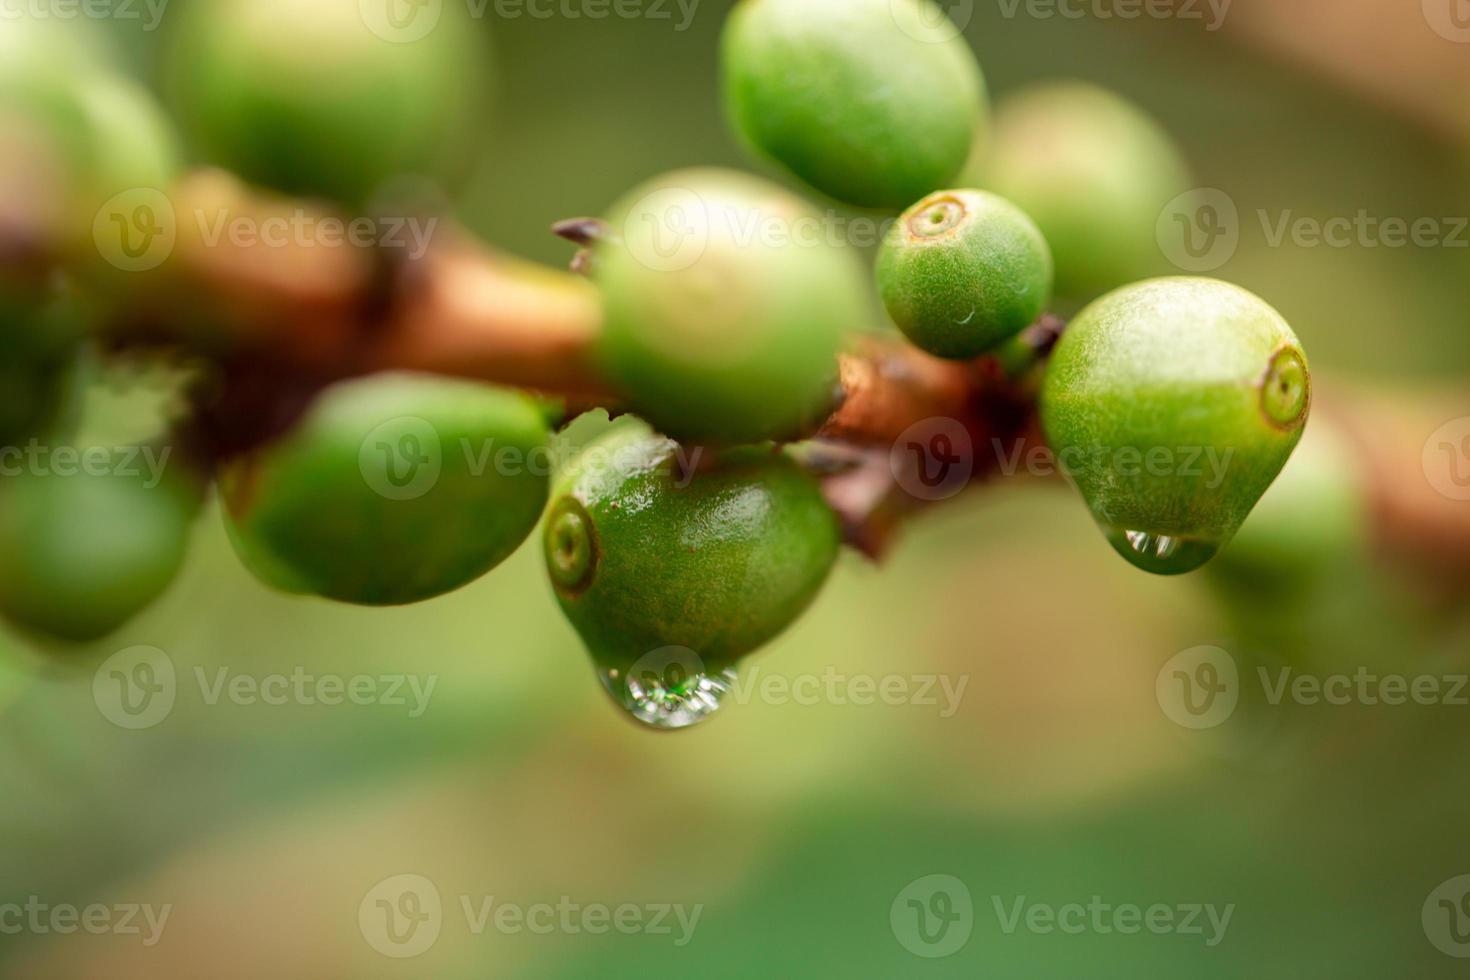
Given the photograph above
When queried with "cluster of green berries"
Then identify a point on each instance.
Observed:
(718, 335)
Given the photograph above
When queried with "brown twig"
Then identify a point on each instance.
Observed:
(287, 320)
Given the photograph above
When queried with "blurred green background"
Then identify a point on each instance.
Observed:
(795, 828)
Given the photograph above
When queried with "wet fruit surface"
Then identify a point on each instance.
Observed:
(1173, 404)
(670, 578)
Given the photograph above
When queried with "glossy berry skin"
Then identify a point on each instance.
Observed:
(393, 489)
(1173, 404)
(82, 554)
(963, 271)
(305, 97)
(1094, 172)
(720, 566)
(722, 322)
(872, 102)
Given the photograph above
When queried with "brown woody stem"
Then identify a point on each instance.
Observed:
(287, 320)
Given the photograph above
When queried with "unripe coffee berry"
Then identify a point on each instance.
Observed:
(393, 489)
(872, 102)
(723, 312)
(82, 554)
(963, 271)
(321, 97)
(1173, 404)
(1094, 172)
(646, 558)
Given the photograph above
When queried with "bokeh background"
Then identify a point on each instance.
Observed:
(797, 828)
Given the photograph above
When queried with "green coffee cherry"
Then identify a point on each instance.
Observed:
(134, 143)
(1173, 404)
(395, 488)
(872, 102)
(78, 157)
(724, 306)
(964, 271)
(671, 579)
(1312, 521)
(45, 152)
(82, 553)
(318, 97)
(1094, 172)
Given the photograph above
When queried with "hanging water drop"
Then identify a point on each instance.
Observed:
(669, 689)
(1162, 554)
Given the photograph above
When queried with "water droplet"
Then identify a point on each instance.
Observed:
(1162, 554)
(668, 692)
